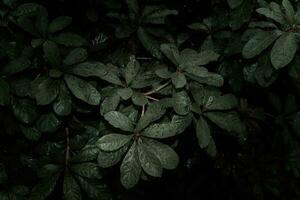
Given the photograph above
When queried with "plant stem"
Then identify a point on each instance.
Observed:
(157, 89)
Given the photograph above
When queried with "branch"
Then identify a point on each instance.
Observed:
(157, 89)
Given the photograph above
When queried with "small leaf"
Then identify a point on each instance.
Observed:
(87, 170)
(139, 99)
(182, 103)
(89, 69)
(17, 65)
(131, 168)
(31, 133)
(203, 132)
(48, 123)
(52, 53)
(125, 93)
(47, 91)
(113, 142)
(24, 110)
(69, 39)
(225, 102)
(75, 56)
(154, 112)
(178, 79)
(119, 120)
(59, 23)
(83, 90)
(284, 50)
(131, 70)
(171, 52)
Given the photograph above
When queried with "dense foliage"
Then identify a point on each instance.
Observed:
(144, 99)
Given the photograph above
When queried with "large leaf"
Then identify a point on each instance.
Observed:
(149, 162)
(87, 170)
(161, 130)
(83, 90)
(47, 91)
(131, 168)
(259, 42)
(171, 52)
(229, 121)
(284, 50)
(113, 142)
(17, 65)
(119, 120)
(71, 188)
(154, 112)
(89, 69)
(48, 123)
(131, 70)
(24, 110)
(224, 102)
(107, 159)
(165, 154)
(52, 53)
(149, 42)
(203, 132)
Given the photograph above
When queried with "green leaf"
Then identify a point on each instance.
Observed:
(119, 120)
(3, 175)
(113, 141)
(229, 121)
(171, 52)
(154, 112)
(190, 58)
(225, 102)
(241, 15)
(89, 69)
(47, 91)
(87, 170)
(17, 65)
(182, 103)
(150, 44)
(83, 90)
(234, 3)
(44, 188)
(31, 133)
(203, 132)
(71, 189)
(75, 56)
(272, 14)
(48, 123)
(131, 168)
(161, 130)
(125, 93)
(180, 123)
(165, 154)
(26, 9)
(139, 99)
(178, 80)
(201, 75)
(4, 93)
(158, 15)
(284, 50)
(95, 190)
(289, 10)
(63, 104)
(149, 162)
(107, 159)
(131, 70)
(59, 24)
(52, 53)
(24, 110)
(69, 39)
(110, 103)
(258, 43)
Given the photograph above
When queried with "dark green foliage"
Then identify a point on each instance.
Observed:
(154, 99)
